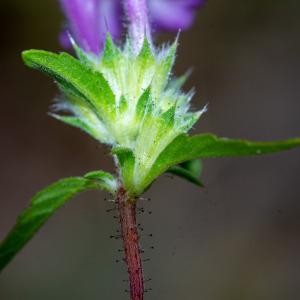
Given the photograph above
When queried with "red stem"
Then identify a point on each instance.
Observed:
(130, 236)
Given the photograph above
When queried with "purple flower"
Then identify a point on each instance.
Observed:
(89, 20)
(137, 15)
(172, 15)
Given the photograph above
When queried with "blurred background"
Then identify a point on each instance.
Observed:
(237, 239)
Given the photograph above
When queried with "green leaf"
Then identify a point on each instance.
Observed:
(44, 204)
(123, 105)
(78, 123)
(82, 56)
(194, 166)
(186, 174)
(111, 51)
(73, 75)
(104, 180)
(177, 83)
(189, 170)
(144, 105)
(146, 53)
(168, 117)
(127, 162)
(190, 119)
(143, 68)
(185, 148)
(163, 71)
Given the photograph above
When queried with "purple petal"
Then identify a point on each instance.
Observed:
(110, 19)
(172, 15)
(89, 20)
(82, 16)
(64, 39)
(137, 15)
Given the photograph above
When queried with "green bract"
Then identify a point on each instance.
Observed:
(132, 103)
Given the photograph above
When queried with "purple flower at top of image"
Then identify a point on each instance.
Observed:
(89, 20)
(173, 15)
(138, 21)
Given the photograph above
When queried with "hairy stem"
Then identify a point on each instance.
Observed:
(127, 216)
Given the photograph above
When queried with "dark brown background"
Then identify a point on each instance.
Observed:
(238, 239)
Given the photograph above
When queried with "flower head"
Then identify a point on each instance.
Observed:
(88, 20)
(125, 99)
